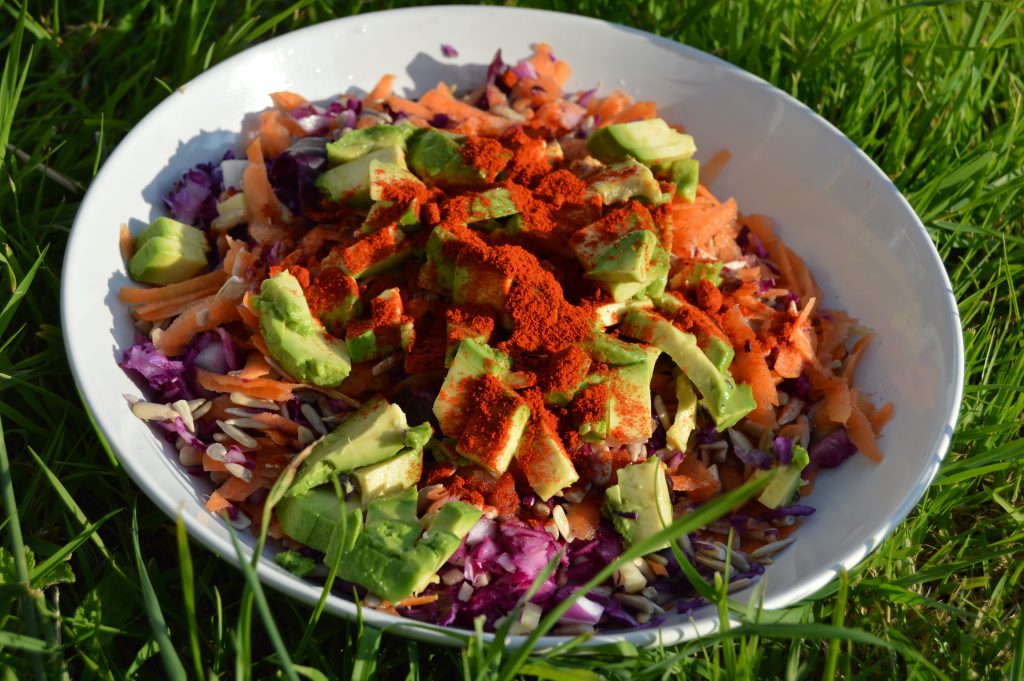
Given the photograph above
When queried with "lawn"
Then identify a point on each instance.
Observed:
(97, 583)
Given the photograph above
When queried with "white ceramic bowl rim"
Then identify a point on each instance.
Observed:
(77, 268)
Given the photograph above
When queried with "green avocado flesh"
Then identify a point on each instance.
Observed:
(315, 517)
(168, 252)
(639, 505)
(297, 340)
(373, 433)
(395, 556)
(647, 141)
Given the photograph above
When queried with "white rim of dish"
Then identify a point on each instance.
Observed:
(667, 634)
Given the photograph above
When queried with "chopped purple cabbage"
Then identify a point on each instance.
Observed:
(783, 448)
(755, 457)
(165, 376)
(193, 200)
(783, 511)
(832, 450)
(449, 51)
(292, 173)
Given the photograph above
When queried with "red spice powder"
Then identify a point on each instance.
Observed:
(565, 370)
(329, 286)
(486, 155)
(300, 273)
(529, 157)
(709, 297)
(431, 214)
(476, 319)
(369, 250)
(590, 404)
(536, 214)
(438, 473)
(486, 432)
(561, 187)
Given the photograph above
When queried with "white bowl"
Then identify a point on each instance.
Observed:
(869, 251)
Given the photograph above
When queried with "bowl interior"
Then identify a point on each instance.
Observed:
(832, 205)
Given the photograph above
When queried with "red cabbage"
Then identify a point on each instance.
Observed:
(755, 457)
(783, 511)
(583, 610)
(783, 448)
(165, 376)
(193, 200)
(177, 427)
(449, 51)
(293, 172)
(832, 450)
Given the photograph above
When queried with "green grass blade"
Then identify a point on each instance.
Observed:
(188, 593)
(12, 303)
(172, 664)
(43, 569)
(364, 667)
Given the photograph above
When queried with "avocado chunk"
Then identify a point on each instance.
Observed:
(476, 283)
(350, 182)
(385, 214)
(608, 349)
(781, 490)
(374, 433)
(394, 557)
(295, 563)
(355, 144)
(639, 505)
(436, 158)
(491, 204)
(373, 254)
(647, 141)
(495, 427)
(572, 366)
(678, 434)
(610, 314)
(396, 474)
(726, 401)
(684, 173)
(544, 461)
(167, 252)
(314, 517)
(627, 414)
(720, 353)
(387, 331)
(473, 360)
(628, 259)
(341, 297)
(438, 271)
(462, 323)
(296, 339)
(623, 181)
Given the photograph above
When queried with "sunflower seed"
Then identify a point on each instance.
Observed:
(601, 591)
(574, 629)
(132, 399)
(239, 471)
(634, 449)
(482, 579)
(203, 316)
(551, 529)
(314, 418)
(252, 402)
(181, 406)
(465, 592)
(644, 569)
(629, 578)
(221, 437)
(305, 436)
(453, 576)
(248, 423)
(216, 451)
(241, 413)
(638, 603)
(189, 456)
(385, 365)
(201, 411)
(561, 522)
(737, 584)
(231, 289)
(791, 411)
(241, 521)
(530, 616)
(713, 564)
(150, 411)
(657, 558)
(662, 411)
(649, 592)
(372, 601)
(771, 548)
(236, 434)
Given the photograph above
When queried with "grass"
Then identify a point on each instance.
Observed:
(92, 576)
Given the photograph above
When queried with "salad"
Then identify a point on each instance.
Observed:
(470, 335)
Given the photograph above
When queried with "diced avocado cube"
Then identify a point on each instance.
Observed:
(678, 434)
(696, 270)
(232, 204)
(476, 283)
(396, 474)
(384, 214)
(623, 181)
(350, 183)
(295, 563)
(610, 314)
(384, 176)
(295, 338)
(491, 435)
(343, 304)
(657, 277)
(629, 390)
(419, 436)
(491, 204)
(394, 557)
(647, 141)
(669, 303)
(720, 353)
(313, 517)
(573, 365)
(164, 260)
(465, 323)
(355, 144)
(639, 505)
(685, 174)
(628, 259)
(543, 460)
(436, 158)
(439, 270)
(169, 228)
(362, 342)
(375, 253)
(780, 491)
(590, 243)
(373, 433)
(610, 350)
(724, 400)
(472, 361)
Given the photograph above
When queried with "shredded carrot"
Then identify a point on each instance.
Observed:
(697, 223)
(882, 416)
(236, 489)
(379, 94)
(217, 503)
(134, 295)
(255, 366)
(695, 480)
(275, 137)
(287, 101)
(657, 568)
(263, 206)
(171, 307)
(211, 465)
(440, 101)
(838, 402)
(408, 107)
(855, 355)
(862, 434)
(413, 601)
(205, 314)
(789, 362)
(262, 388)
